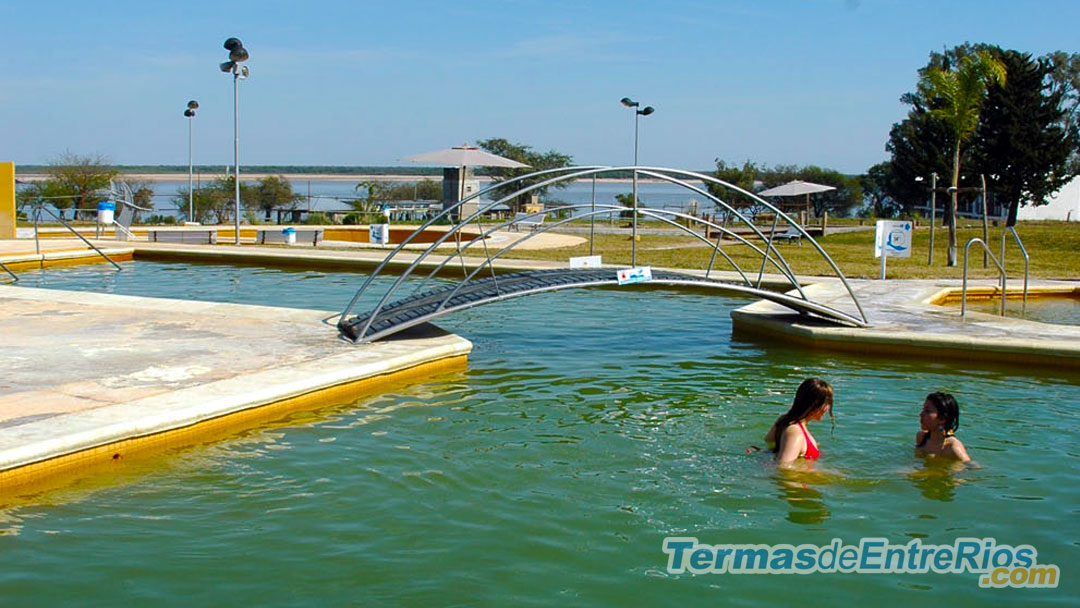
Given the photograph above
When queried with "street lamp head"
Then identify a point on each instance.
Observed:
(630, 103)
(189, 113)
(237, 52)
(646, 111)
(228, 66)
(193, 105)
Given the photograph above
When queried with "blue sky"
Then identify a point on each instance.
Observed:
(366, 83)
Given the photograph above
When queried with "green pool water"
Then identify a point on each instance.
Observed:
(589, 426)
(1044, 309)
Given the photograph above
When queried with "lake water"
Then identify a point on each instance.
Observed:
(330, 195)
(589, 426)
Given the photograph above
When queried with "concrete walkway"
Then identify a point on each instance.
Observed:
(87, 374)
(905, 321)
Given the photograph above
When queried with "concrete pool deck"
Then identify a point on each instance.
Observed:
(91, 378)
(906, 320)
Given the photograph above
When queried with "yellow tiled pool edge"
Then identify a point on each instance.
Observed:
(52, 472)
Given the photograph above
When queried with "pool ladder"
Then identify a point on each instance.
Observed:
(1000, 266)
(39, 207)
(14, 277)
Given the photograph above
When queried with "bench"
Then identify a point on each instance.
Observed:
(155, 235)
(792, 234)
(528, 220)
(275, 235)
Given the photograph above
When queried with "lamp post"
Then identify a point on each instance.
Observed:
(190, 113)
(237, 54)
(638, 111)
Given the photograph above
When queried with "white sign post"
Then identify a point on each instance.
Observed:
(893, 240)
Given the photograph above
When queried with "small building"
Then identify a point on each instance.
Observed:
(1065, 205)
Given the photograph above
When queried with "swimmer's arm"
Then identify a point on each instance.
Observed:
(919, 437)
(792, 445)
(957, 450)
(770, 437)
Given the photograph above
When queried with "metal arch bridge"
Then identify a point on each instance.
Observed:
(481, 285)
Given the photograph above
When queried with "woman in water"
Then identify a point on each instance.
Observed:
(789, 438)
(939, 419)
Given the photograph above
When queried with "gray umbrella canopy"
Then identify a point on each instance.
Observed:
(795, 188)
(464, 156)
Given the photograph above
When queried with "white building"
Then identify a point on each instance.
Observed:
(1064, 206)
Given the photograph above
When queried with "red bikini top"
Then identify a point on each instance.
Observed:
(812, 452)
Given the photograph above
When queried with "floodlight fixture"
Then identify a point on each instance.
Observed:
(237, 54)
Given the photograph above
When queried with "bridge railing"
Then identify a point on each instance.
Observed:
(769, 253)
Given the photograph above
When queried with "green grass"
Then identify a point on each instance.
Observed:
(1054, 248)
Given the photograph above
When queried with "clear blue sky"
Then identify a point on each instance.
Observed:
(365, 83)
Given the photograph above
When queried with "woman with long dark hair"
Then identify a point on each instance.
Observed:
(789, 438)
(939, 419)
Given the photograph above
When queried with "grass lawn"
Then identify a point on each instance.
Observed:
(1054, 248)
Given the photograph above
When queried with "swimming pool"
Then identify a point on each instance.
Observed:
(1058, 310)
(589, 426)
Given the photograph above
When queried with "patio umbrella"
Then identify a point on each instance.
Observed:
(464, 156)
(797, 188)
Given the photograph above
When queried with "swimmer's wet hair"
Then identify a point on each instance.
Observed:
(948, 411)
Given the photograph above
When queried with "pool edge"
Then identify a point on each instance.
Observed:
(53, 472)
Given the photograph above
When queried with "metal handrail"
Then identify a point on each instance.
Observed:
(963, 289)
(14, 278)
(572, 173)
(41, 206)
(1027, 261)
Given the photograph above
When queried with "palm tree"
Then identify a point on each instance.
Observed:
(960, 93)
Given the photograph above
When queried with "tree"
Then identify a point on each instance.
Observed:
(272, 192)
(215, 202)
(847, 195)
(742, 177)
(876, 187)
(84, 176)
(1026, 135)
(375, 194)
(423, 190)
(919, 146)
(960, 93)
(207, 204)
(537, 161)
(74, 181)
(59, 195)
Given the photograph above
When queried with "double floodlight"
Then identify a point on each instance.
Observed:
(191, 107)
(630, 103)
(237, 54)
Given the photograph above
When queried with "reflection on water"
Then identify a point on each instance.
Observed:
(937, 478)
(807, 502)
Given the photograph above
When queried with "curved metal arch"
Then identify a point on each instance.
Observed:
(446, 212)
(645, 211)
(422, 311)
(572, 173)
(605, 209)
(785, 270)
